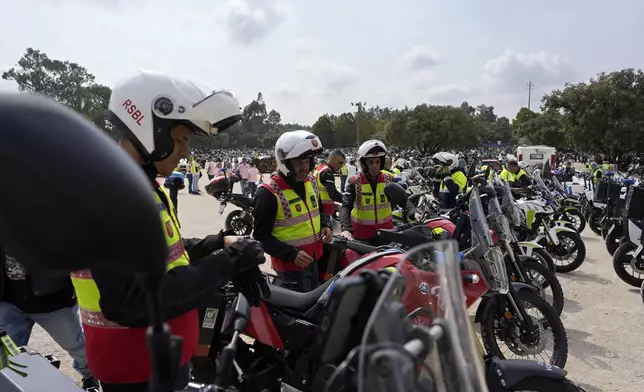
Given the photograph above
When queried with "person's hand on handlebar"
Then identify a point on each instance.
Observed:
(347, 234)
(247, 255)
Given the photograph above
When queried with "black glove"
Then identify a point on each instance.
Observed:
(245, 254)
(253, 285)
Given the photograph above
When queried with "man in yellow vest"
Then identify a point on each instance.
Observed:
(597, 172)
(324, 174)
(157, 114)
(514, 175)
(366, 207)
(287, 218)
(454, 180)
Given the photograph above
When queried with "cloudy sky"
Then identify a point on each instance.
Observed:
(312, 57)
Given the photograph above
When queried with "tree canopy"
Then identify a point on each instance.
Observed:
(604, 115)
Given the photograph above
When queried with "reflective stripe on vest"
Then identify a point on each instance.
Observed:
(371, 210)
(87, 292)
(328, 206)
(297, 221)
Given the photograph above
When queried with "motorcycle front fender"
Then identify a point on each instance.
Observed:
(517, 286)
(504, 374)
(559, 229)
(530, 245)
(572, 201)
(571, 209)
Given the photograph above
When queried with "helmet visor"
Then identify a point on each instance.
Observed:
(215, 113)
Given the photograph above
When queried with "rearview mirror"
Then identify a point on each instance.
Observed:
(75, 200)
(396, 194)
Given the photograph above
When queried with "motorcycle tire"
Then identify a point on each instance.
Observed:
(613, 240)
(552, 322)
(550, 281)
(621, 258)
(240, 225)
(544, 258)
(593, 221)
(541, 384)
(581, 252)
(579, 218)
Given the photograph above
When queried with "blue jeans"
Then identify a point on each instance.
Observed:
(63, 325)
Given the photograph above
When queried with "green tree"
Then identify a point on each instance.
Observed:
(603, 115)
(545, 129)
(432, 128)
(63, 81)
(323, 128)
(344, 129)
(523, 115)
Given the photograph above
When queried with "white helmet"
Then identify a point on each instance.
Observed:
(446, 159)
(401, 162)
(296, 145)
(371, 149)
(147, 105)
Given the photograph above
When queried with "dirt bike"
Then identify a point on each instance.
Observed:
(560, 241)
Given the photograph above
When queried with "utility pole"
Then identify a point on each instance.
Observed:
(360, 106)
(530, 87)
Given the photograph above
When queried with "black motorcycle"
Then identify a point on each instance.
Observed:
(239, 221)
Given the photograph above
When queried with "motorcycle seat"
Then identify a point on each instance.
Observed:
(301, 302)
(361, 248)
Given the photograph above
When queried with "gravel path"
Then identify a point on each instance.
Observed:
(601, 312)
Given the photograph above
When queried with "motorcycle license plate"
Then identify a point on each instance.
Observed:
(222, 207)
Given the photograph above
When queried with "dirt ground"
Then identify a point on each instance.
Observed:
(601, 313)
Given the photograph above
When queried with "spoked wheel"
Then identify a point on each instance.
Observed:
(544, 258)
(500, 328)
(629, 269)
(545, 281)
(570, 253)
(241, 222)
(613, 239)
(575, 217)
(594, 220)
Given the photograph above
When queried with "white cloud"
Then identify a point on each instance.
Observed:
(252, 20)
(303, 48)
(324, 78)
(510, 71)
(419, 58)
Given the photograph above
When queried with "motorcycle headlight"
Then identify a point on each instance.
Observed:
(495, 270)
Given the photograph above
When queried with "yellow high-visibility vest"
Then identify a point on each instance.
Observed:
(328, 206)
(371, 209)
(459, 179)
(508, 176)
(87, 292)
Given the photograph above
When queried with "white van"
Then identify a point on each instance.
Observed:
(537, 154)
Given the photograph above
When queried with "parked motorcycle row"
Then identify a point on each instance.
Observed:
(614, 209)
(511, 243)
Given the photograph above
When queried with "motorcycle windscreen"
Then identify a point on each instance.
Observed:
(558, 185)
(509, 205)
(454, 363)
(480, 231)
(496, 217)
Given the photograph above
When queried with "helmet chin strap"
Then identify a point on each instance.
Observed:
(150, 170)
